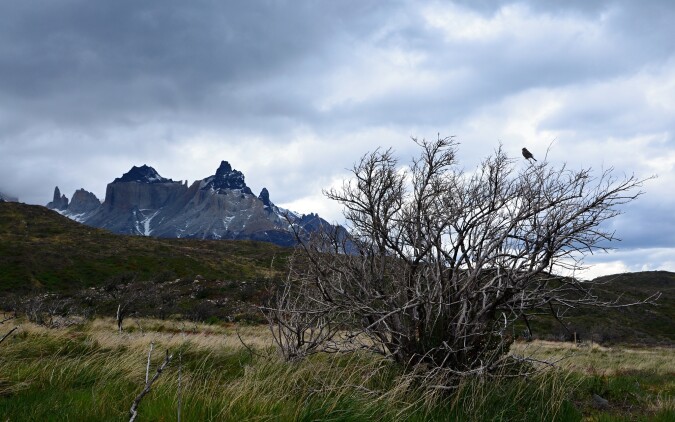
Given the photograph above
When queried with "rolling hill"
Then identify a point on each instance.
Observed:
(42, 252)
(635, 324)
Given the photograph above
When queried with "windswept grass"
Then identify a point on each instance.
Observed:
(90, 372)
(639, 383)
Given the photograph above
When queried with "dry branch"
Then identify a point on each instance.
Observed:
(134, 406)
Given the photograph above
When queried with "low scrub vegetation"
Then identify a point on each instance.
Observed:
(90, 371)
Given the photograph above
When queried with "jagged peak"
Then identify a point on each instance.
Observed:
(224, 168)
(226, 178)
(83, 201)
(142, 174)
(59, 202)
(265, 197)
(83, 193)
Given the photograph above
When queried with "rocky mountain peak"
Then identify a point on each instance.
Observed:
(142, 174)
(265, 197)
(59, 202)
(83, 201)
(226, 178)
(224, 168)
(220, 206)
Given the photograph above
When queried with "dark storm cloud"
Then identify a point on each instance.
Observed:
(109, 80)
(105, 60)
(91, 63)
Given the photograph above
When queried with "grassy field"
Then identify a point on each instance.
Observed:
(88, 371)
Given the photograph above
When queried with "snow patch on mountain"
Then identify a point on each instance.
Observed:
(146, 224)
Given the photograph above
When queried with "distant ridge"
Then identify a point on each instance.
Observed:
(648, 324)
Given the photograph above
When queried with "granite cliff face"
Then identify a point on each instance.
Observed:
(131, 201)
(222, 206)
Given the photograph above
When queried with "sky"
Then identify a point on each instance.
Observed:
(293, 92)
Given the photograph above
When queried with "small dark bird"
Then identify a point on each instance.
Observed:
(527, 154)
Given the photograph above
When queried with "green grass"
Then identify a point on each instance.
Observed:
(638, 382)
(90, 372)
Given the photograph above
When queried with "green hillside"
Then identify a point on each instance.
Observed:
(40, 250)
(44, 252)
(645, 323)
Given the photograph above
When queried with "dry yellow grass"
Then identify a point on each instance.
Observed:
(594, 358)
(139, 333)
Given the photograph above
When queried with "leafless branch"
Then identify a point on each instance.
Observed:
(7, 319)
(147, 367)
(134, 406)
(246, 346)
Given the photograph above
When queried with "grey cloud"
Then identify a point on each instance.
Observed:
(93, 61)
(496, 69)
(645, 224)
(78, 63)
(489, 7)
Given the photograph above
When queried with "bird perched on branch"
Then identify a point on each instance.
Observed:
(527, 154)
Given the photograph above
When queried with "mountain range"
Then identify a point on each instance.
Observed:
(221, 206)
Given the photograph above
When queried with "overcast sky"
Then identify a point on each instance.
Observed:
(293, 92)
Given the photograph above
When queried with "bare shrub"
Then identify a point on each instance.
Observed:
(439, 264)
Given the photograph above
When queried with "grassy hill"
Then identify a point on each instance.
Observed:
(44, 252)
(635, 324)
(40, 250)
